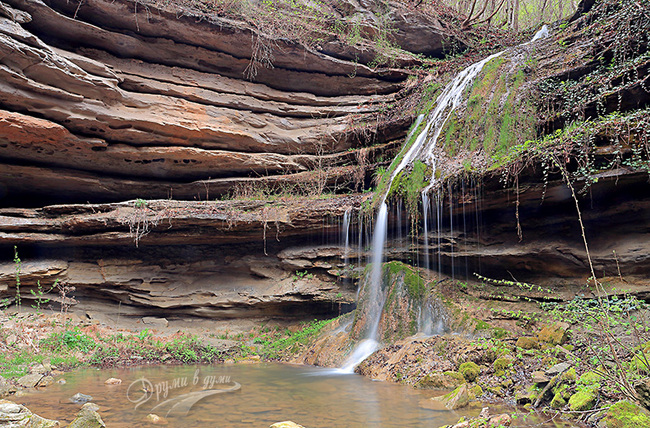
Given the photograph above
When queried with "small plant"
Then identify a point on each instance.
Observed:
(140, 203)
(39, 293)
(18, 264)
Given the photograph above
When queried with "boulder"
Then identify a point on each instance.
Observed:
(557, 369)
(80, 398)
(540, 377)
(555, 334)
(15, 415)
(456, 399)
(525, 342)
(498, 421)
(626, 414)
(88, 417)
(583, 399)
(30, 380)
(470, 371)
(446, 380)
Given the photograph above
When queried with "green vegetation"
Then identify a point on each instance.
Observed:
(409, 185)
(275, 345)
(470, 371)
(414, 283)
(626, 414)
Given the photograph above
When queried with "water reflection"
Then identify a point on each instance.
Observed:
(269, 393)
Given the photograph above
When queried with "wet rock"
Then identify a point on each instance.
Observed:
(29, 380)
(45, 381)
(155, 322)
(528, 342)
(88, 417)
(286, 424)
(112, 381)
(555, 334)
(456, 399)
(156, 420)
(80, 398)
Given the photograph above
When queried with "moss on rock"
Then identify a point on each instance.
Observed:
(528, 342)
(470, 371)
(555, 334)
(584, 399)
(500, 366)
(626, 414)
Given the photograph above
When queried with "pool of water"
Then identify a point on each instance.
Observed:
(268, 393)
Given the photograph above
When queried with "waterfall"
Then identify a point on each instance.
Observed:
(375, 296)
(425, 208)
(346, 239)
(423, 147)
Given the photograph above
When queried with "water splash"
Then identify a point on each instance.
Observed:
(364, 349)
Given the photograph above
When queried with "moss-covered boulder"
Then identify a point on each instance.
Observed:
(446, 380)
(88, 417)
(569, 377)
(626, 414)
(583, 399)
(525, 342)
(470, 371)
(555, 334)
(558, 401)
(456, 399)
(475, 391)
(500, 366)
(526, 395)
(590, 379)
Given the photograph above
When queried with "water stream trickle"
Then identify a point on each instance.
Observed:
(423, 148)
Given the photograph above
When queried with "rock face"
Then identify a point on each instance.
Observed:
(212, 259)
(107, 101)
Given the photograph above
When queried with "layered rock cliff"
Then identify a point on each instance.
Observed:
(108, 101)
(121, 122)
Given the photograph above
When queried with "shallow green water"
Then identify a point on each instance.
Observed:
(313, 397)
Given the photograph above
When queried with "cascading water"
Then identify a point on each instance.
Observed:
(374, 297)
(423, 147)
(346, 239)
